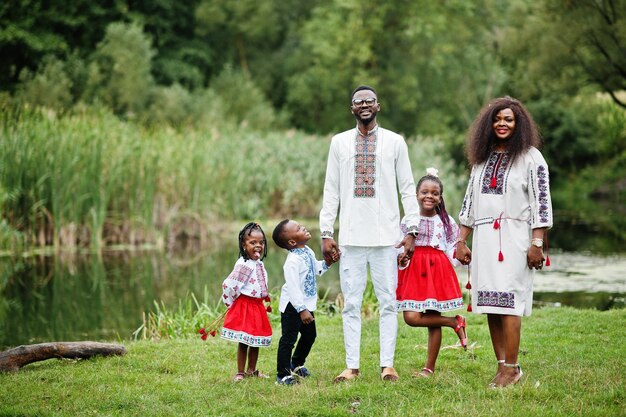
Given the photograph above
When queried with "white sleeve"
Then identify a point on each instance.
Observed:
(539, 191)
(320, 267)
(466, 216)
(450, 245)
(330, 201)
(231, 287)
(295, 295)
(406, 186)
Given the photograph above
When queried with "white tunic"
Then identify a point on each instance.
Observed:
(364, 175)
(248, 278)
(300, 288)
(431, 232)
(519, 202)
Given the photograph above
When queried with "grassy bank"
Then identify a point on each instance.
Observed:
(573, 361)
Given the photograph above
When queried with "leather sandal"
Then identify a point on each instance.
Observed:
(347, 375)
(389, 374)
(497, 373)
(515, 380)
(424, 373)
(460, 324)
(239, 376)
(256, 374)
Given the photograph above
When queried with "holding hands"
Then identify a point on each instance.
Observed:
(330, 251)
(463, 254)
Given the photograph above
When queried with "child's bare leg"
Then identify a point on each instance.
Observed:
(434, 345)
(428, 319)
(242, 355)
(253, 356)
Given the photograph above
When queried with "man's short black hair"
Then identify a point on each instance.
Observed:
(362, 87)
(279, 235)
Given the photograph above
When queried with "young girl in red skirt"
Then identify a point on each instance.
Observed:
(244, 291)
(428, 285)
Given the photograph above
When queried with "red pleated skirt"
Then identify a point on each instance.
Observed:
(246, 322)
(428, 283)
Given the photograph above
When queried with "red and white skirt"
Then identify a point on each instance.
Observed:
(246, 322)
(428, 283)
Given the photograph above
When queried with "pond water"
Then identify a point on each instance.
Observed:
(85, 296)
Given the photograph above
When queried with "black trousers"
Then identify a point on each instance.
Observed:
(291, 325)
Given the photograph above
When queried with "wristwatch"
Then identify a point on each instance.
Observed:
(537, 242)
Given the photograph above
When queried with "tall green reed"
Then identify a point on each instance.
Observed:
(90, 179)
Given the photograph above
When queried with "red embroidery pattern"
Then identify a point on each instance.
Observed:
(241, 273)
(365, 166)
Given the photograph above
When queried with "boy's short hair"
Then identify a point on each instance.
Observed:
(279, 235)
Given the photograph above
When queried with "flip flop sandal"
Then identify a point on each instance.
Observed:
(239, 376)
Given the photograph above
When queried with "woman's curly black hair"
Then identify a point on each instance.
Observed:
(481, 139)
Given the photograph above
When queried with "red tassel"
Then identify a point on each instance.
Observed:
(269, 309)
(493, 182)
(468, 285)
(500, 256)
(213, 333)
(203, 337)
(469, 308)
(547, 261)
(202, 331)
(496, 224)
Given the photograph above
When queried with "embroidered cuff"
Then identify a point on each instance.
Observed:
(412, 231)
(301, 308)
(327, 234)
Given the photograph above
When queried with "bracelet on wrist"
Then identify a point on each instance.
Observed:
(463, 241)
(537, 242)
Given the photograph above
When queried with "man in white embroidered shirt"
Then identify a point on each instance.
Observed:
(367, 166)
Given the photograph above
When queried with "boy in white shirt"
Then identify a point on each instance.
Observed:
(298, 300)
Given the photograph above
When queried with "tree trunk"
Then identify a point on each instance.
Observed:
(13, 359)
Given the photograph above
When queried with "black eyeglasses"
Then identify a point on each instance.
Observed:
(358, 102)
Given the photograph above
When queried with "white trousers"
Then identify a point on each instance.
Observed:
(353, 277)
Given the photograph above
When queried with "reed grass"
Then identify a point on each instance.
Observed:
(89, 179)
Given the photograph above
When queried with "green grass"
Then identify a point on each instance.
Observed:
(573, 361)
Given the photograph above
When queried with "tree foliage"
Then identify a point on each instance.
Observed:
(278, 63)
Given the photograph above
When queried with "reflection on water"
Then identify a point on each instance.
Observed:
(81, 297)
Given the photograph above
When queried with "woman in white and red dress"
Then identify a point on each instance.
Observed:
(243, 293)
(428, 285)
(507, 209)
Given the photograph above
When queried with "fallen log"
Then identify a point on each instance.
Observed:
(13, 359)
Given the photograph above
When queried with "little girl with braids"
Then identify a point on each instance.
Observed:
(244, 291)
(428, 285)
